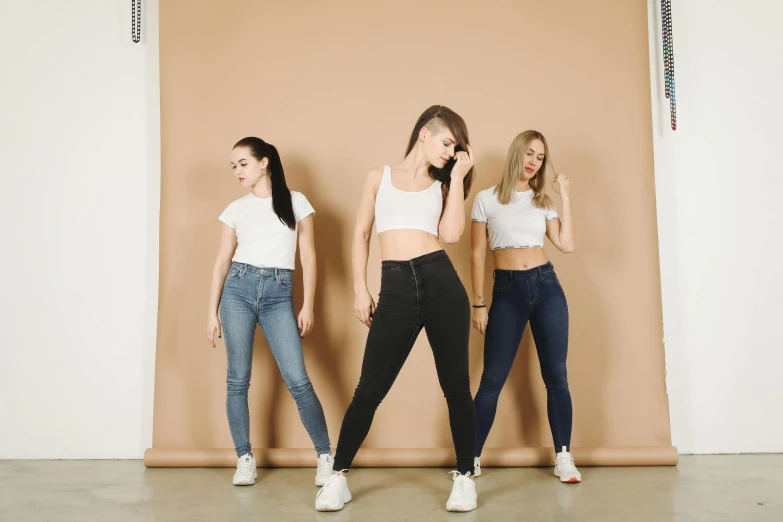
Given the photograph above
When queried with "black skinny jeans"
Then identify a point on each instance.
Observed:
(425, 292)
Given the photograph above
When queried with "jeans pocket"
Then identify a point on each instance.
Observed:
(502, 284)
(286, 282)
(550, 278)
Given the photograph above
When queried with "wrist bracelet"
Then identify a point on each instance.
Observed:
(480, 306)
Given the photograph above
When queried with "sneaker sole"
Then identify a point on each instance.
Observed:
(247, 482)
(320, 480)
(460, 509)
(328, 509)
(572, 480)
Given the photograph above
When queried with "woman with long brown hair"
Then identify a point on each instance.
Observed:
(252, 284)
(413, 204)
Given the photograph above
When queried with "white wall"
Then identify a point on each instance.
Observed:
(719, 183)
(79, 199)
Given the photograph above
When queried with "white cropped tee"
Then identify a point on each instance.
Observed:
(518, 224)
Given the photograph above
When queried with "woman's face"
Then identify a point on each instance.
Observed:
(532, 159)
(247, 169)
(438, 147)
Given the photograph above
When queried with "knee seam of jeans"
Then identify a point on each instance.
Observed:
(459, 397)
(304, 384)
(493, 394)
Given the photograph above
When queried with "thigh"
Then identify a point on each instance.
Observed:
(393, 330)
(278, 321)
(448, 330)
(549, 324)
(508, 317)
(238, 316)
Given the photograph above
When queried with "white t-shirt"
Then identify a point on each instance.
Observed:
(262, 239)
(518, 224)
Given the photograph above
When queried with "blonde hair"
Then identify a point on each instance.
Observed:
(512, 172)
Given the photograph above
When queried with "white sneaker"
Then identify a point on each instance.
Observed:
(565, 468)
(477, 467)
(463, 493)
(325, 464)
(246, 474)
(334, 495)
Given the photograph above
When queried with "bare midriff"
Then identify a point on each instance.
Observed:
(519, 258)
(405, 244)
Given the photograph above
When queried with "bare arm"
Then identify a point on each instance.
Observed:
(478, 243)
(561, 231)
(452, 222)
(228, 243)
(309, 273)
(364, 306)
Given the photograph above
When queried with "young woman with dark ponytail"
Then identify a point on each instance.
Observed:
(252, 283)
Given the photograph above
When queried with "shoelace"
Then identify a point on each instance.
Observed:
(565, 462)
(331, 483)
(462, 486)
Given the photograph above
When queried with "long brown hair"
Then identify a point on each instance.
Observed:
(281, 196)
(512, 172)
(435, 118)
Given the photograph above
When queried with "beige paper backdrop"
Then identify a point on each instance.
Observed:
(337, 87)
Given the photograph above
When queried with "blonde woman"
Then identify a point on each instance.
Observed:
(515, 216)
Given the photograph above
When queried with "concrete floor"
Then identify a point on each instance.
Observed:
(737, 488)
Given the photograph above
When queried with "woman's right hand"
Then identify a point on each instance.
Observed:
(364, 307)
(480, 319)
(214, 328)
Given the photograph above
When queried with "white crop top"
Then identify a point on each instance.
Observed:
(518, 224)
(397, 209)
(262, 239)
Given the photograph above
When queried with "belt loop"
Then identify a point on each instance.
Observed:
(277, 276)
(540, 272)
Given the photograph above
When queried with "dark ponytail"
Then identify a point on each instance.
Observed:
(281, 196)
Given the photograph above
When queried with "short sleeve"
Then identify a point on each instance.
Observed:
(302, 207)
(229, 216)
(550, 214)
(479, 213)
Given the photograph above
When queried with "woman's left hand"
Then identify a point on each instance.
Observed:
(463, 165)
(562, 180)
(306, 321)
